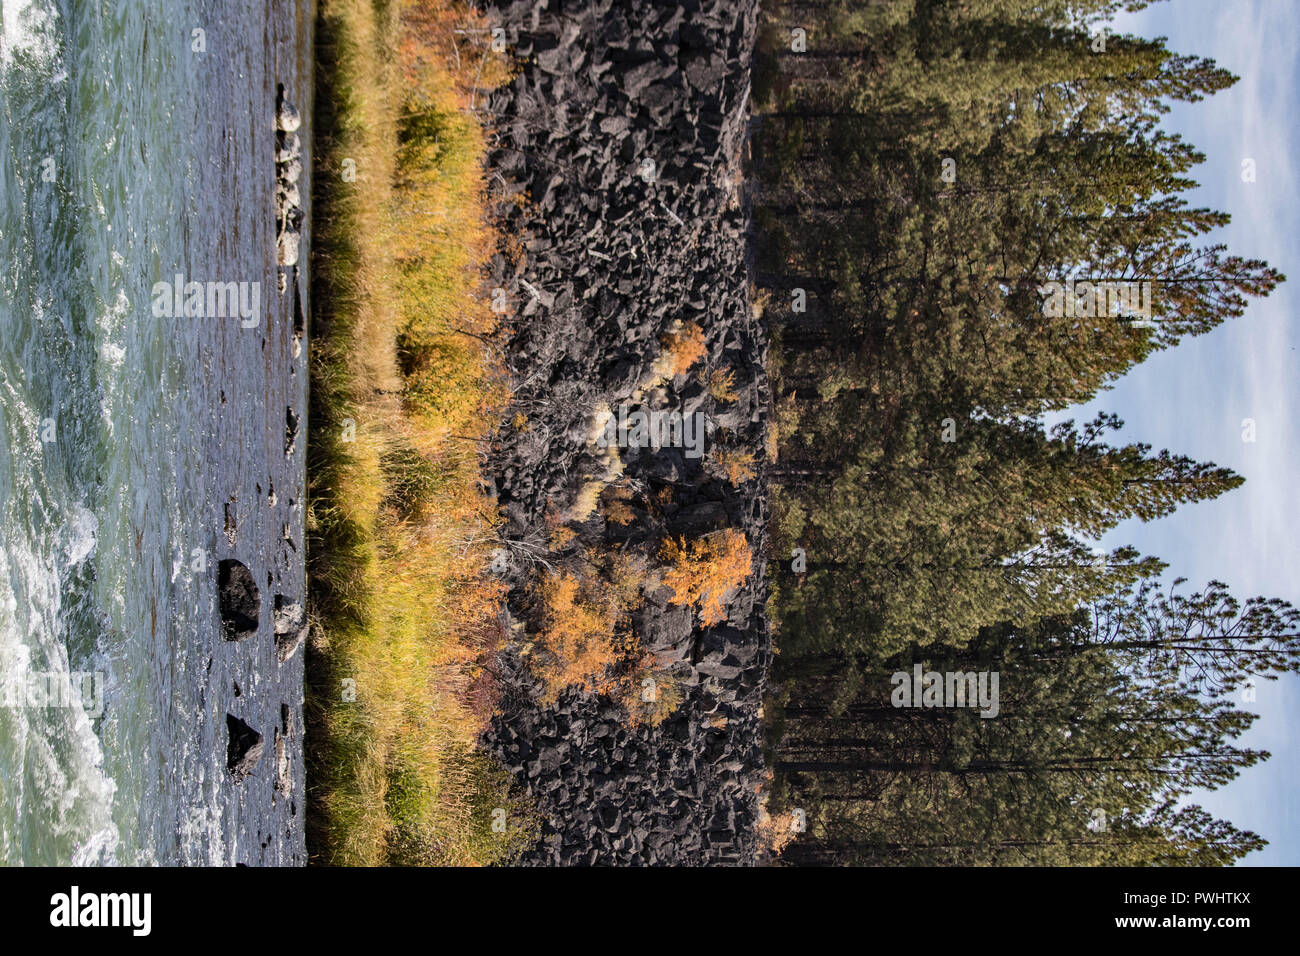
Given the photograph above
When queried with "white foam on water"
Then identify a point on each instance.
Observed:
(28, 27)
(109, 325)
(53, 764)
(112, 355)
(71, 535)
(82, 526)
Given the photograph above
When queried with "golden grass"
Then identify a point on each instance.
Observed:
(404, 615)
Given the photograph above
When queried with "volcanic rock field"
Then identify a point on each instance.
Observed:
(624, 134)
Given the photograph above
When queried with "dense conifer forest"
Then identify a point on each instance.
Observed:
(969, 217)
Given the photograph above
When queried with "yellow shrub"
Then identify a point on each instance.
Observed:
(682, 349)
(722, 385)
(626, 573)
(577, 641)
(775, 833)
(704, 570)
(649, 697)
(735, 465)
(617, 509)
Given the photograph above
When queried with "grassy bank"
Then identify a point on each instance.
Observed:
(404, 615)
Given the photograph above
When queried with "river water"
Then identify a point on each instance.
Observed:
(139, 449)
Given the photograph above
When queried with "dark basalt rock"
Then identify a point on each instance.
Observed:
(244, 750)
(614, 258)
(290, 431)
(287, 119)
(238, 599)
(287, 147)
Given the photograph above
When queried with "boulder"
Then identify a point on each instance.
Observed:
(287, 119)
(287, 146)
(290, 627)
(286, 248)
(244, 749)
(612, 270)
(238, 599)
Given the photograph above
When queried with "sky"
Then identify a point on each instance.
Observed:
(1195, 398)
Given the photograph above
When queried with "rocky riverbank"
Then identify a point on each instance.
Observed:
(625, 130)
(245, 793)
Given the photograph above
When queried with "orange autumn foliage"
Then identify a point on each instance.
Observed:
(736, 466)
(722, 385)
(578, 641)
(775, 833)
(683, 348)
(444, 55)
(702, 571)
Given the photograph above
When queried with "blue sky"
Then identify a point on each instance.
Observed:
(1193, 399)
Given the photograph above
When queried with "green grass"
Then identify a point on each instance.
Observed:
(403, 613)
